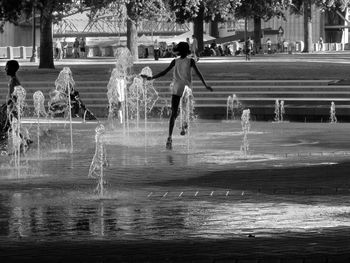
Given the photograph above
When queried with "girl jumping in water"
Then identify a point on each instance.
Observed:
(182, 76)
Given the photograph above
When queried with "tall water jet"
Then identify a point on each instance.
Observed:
(282, 110)
(245, 122)
(279, 111)
(135, 98)
(150, 95)
(116, 89)
(332, 117)
(39, 110)
(15, 115)
(99, 161)
(65, 85)
(124, 64)
(186, 112)
(233, 106)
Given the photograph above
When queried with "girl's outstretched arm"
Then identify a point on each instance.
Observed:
(193, 64)
(165, 71)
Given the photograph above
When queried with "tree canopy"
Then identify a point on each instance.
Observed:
(198, 11)
(50, 11)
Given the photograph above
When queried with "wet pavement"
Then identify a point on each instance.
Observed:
(288, 200)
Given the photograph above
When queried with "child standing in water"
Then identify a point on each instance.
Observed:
(11, 69)
(182, 76)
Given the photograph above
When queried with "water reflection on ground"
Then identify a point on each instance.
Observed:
(53, 198)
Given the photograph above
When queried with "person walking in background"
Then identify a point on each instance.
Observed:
(82, 46)
(269, 45)
(285, 46)
(156, 49)
(182, 76)
(194, 48)
(320, 44)
(58, 49)
(248, 48)
(76, 48)
(65, 48)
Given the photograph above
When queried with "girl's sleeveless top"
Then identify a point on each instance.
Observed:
(182, 75)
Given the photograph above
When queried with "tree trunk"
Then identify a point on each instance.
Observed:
(198, 28)
(131, 33)
(307, 26)
(257, 34)
(46, 49)
(214, 29)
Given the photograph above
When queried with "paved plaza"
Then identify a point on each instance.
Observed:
(286, 201)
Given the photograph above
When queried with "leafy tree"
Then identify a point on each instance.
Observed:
(198, 11)
(304, 7)
(49, 11)
(131, 11)
(261, 10)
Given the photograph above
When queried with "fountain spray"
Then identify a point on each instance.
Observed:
(116, 97)
(15, 117)
(99, 161)
(245, 122)
(186, 112)
(65, 84)
(332, 118)
(39, 109)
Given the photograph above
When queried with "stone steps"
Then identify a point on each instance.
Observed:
(306, 97)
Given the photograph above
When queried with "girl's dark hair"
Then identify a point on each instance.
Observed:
(183, 48)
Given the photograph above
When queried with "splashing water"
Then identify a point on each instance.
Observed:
(135, 98)
(98, 161)
(229, 108)
(282, 110)
(186, 112)
(277, 111)
(245, 122)
(124, 64)
(332, 117)
(60, 100)
(124, 60)
(233, 106)
(116, 89)
(150, 95)
(14, 116)
(39, 110)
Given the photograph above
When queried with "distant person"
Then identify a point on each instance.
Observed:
(285, 46)
(82, 46)
(156, 50)
(173, 52)
(58, 49)
(320, 44)
(65, 48)
(76, 48)
(269, 46)
(194, 48)
(227, 51)
(220, 51)
(188, 41)
(248, 48)
(11, 69)
(182, 76)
